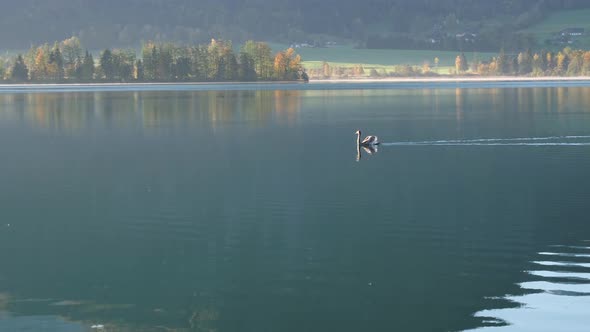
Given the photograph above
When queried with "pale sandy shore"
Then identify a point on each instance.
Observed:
(484, 79)
(359, 83)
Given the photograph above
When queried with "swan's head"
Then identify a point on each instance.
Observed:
(358, 132)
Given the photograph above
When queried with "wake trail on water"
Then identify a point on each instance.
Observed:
(518, 141)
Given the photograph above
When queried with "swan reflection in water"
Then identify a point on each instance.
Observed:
(370, 150)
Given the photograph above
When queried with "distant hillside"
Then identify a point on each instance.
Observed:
(552, 32)
(418, 24)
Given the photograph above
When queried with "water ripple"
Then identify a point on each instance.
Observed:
(570, 140)
(557, 293)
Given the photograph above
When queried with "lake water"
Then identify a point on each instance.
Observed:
(252, 210)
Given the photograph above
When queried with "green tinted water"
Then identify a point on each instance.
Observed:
(248, 210)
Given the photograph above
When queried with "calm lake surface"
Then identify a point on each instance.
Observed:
(245, 210)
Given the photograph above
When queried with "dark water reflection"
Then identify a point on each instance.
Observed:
(247, 210)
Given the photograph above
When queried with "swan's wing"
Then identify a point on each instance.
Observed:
(369, 140)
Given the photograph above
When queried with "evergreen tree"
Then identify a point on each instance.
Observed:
(461, 65)
(231, 65)
(464, 64)
(182, 68)
(123, 65)
(56, 64)
(164, 63)
(149, 55)
(304, 76)
(107, 65)
(502, 63)
(524, 63)
(20, 72)
(220, 69)
(246, 71)
(87, 69)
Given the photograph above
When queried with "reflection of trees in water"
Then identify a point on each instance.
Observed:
(81, 110)
(219, 107)
(287, 104)
(459, 105)
(561, 99)
(518, 108)
(116, 317)
(4, 299)
(76, 111)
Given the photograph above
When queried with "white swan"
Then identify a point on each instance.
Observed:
(368, 141)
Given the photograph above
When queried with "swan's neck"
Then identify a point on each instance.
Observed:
(358, 138)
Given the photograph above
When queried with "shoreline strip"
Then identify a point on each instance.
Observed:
(386, 83)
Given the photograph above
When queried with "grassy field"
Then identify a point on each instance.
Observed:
(381, 60)
(561, 20)
(348, 54)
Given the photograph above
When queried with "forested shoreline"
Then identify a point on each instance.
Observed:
(567, 62)
(218, 61)
(66, 62)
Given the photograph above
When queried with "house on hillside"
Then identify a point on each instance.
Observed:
(436, 34)
(565, 36)
(300, 45)
(571, 32)
(466, 37)
(559, 40)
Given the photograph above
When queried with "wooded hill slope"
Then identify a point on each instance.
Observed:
(417, 24)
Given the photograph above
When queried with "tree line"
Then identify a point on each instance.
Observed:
(217, 61)
(567, 62)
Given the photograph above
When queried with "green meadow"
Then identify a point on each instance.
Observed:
(379, 59)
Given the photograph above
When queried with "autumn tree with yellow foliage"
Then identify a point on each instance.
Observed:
(287, 65)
